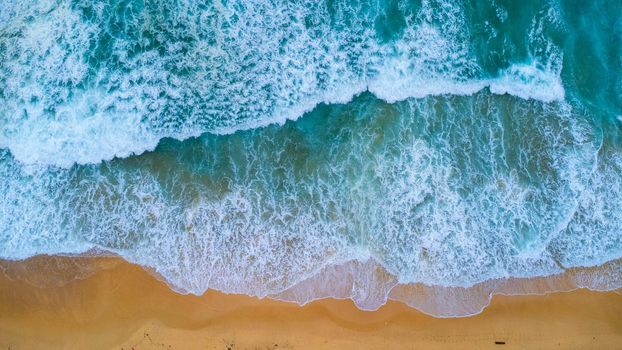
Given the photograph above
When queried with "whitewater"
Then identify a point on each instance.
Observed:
(264, 147)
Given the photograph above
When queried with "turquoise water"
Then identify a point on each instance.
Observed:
(245, 146)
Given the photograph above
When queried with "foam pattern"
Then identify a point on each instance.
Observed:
(444, 191)
(85, 81)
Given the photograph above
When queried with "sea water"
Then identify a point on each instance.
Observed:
(248, 146)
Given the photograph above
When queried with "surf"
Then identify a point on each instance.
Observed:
(88, 82)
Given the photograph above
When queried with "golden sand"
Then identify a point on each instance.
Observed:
(117, 305)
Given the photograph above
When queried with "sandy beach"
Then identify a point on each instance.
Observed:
(117, 305)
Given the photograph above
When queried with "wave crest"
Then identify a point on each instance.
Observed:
(91, 81)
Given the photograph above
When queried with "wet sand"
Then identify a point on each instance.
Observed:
(117, 305)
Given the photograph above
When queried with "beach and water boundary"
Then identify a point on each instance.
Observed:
(117, 305)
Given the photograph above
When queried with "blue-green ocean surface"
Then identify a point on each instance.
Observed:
(246, 146)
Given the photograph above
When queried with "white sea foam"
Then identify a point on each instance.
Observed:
(79, 91)
(394, 194)
(527, 81)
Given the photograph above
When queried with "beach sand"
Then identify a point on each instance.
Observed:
(117, 305)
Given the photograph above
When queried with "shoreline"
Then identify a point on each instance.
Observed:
(118, 305)
(412, 295)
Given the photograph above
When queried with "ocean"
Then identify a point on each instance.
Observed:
(252, 146)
